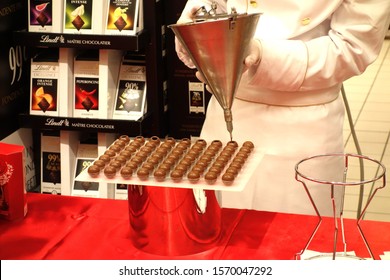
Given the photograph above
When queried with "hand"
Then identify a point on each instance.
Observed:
(254, 54)
(203, 80)
(187, 16)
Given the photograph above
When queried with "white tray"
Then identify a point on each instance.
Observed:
(242, 179)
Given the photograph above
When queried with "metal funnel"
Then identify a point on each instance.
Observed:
(217, 48)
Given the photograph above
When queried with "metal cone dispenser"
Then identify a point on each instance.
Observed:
(217, 46)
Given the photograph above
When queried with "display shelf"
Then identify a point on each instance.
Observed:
(84, 124)
(82, 41)
(147, 42)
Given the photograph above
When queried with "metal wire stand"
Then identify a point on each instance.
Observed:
(304, 176)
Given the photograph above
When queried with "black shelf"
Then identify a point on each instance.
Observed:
(131, 128)
(82, 41)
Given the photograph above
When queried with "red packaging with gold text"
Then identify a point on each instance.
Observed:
(13, 202)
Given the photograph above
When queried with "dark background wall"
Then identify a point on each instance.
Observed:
(14, 66)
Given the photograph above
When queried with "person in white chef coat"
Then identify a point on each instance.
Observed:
(288, 102)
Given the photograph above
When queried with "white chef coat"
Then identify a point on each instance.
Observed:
(289, 105)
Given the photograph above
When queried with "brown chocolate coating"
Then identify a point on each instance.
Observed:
(160, 174)
(94, 171)
(126, 172)
(133, 165)
(177, 175)
(211, 177)
(246, 150)
(99, 163)
(217, 143)
(139, 139)
(143, 173)
(116, 148)
(105, 158)
(121, 159)
(110, 172)
(201, 142)
(232, 143)
(228, 178)
(165, 166)
(120, 143)
(116, 164)
(110, 153)
(193, 176)
(124, 138)
(131, 148)
(248, 144)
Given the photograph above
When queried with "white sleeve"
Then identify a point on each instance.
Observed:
(357, 30)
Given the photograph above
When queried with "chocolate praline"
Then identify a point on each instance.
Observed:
(182, 146)
(228, 178)
(170, 161)
(94, 171)
(110, 153)
(124, 138)
(176, 152)
(213, 148)
(160, 174)
(217, 143)
(131, 148)
(246, 150)
(165, 166)
(218, 164)
(193, 176)
(242, 154)
(182, 167)
(116, 148)
(148, 165)
(232, 143)
(239, 159)
(121, 159)
(126, 172)
(186, 140)
(166, 145)
(199, 168)
(230, 148)
(146, 149)
(116, 164)
(110, 172)
(133, 165)
(201, 142)
(170, 140)
(137, 159)
(177, 175)
(211, 177)
(143, 173)
(105, 158)
(139, 139)
(120, 143)
(126, 154)
(248, 144)
(232, 170)
(216, 169)
(99, 163)
(236, 165)
(155, 139)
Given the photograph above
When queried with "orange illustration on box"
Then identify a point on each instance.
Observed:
(42, 101)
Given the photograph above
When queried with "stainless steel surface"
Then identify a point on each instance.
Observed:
(217, 47)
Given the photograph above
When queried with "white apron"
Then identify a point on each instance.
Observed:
(286, 135)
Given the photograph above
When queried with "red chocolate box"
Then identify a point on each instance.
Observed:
(13, 203)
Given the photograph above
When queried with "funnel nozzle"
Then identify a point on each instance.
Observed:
(229, 121)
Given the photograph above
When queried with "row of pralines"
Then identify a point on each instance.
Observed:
(172, 158)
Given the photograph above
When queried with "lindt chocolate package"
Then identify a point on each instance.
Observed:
(13, 202)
